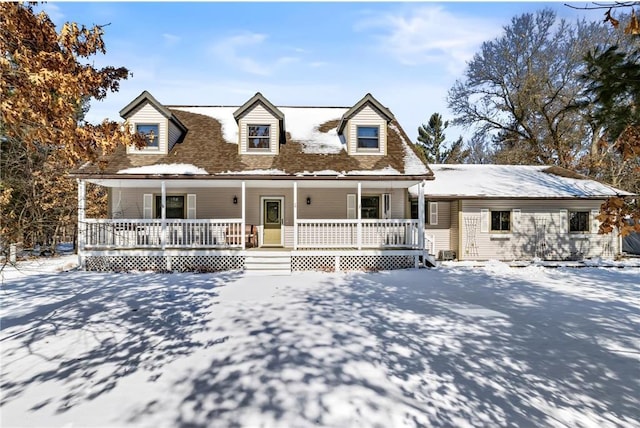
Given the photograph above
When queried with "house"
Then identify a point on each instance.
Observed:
(509, 212)
(256, 187)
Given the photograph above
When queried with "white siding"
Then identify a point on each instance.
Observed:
(148, 115)
(258, 115)
(366, 116)
(541, 233)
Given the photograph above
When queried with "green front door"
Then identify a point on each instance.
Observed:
(272, 221)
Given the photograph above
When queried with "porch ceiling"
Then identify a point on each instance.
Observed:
(352, 183)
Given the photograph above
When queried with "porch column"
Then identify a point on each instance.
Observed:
(359, 208)
(81, 223)
(421, 215)
(243, 204)
(295, 215)
(163, 215)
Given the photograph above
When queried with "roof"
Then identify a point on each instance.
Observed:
(258, 98)
(367, 99)
(313, 149)
(513, 182)
(146, 97)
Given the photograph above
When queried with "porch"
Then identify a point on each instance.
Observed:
(254, 215)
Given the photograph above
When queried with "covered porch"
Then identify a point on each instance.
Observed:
(233, 216)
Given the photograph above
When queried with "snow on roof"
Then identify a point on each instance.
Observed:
(174, 169)
(301, 122)
(223, 114)
(510, 181)
(412, 163)
(255, 172)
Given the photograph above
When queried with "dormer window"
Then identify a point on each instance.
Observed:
(368, 138)
(259, 137)
(151, 134)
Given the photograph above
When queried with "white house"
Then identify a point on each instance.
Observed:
(514, 212)
(216, 187)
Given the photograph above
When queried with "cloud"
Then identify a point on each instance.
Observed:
(52, 10)
(428, 35)
(171, 39)
(228, 50)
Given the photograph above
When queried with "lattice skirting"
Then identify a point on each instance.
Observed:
(164, 263)
(330, 263)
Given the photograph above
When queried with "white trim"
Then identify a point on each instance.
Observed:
(295, 215)
(147, 206)
(484, 220)
(243, 205)
(564, 221)
(433, 213)
(191, 206)
(359, 214)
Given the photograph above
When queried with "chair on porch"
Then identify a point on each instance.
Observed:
(234, 235)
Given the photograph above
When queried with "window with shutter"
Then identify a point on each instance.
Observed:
(433, 213)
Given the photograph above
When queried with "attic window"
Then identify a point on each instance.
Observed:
(368, 137)
(258, 137)
(150, 133)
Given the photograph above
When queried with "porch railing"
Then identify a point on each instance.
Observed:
(136, 233)
(344, 233)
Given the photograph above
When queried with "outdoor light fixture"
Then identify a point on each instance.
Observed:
(235, 200)
(308, 200)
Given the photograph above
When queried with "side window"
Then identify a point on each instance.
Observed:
(579, 221)
(151, 133)
(368, 137)
(500, 221)
(258, 137)
(175, 206)
(370, 206)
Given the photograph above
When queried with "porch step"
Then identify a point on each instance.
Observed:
(268, 263)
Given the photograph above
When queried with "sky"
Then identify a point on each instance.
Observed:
(407, 55)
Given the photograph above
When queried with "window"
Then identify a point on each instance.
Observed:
(175, 206)
(370, 206)
(150, 133)
(579, 221)
(368, 137)
(259, 137)
(500, 221)
(414, 209)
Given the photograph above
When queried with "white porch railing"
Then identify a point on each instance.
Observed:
(137, 233)
(344, 233)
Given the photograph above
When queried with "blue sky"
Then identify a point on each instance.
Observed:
(407, 55)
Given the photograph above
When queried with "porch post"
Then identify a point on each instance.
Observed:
(421, 215)
(359, 215)
(81, 223)
(295, 215)
(243, 193)
(163, 214)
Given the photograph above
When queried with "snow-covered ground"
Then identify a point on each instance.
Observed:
(454, 346)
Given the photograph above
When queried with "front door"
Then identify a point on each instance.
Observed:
(272, 219)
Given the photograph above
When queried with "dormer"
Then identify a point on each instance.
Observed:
(364, 127)
(162, 130)
(260, 127)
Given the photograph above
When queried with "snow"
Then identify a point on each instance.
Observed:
(174, 168)
(510, 181)
(301, 122)
(457, 345)
(223, 114)
(272, 171)
(412, 163)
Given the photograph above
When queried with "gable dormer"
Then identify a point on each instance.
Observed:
(260, 127)
(364, 127)
(161, 128)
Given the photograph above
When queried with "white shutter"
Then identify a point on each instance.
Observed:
(191, 206)
(147, 205)
(515, 218)
(595, 224)
(433, 213)
(564, 221)
(386, 205)
(351, 206)
(484, 220)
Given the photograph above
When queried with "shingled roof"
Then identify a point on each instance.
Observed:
(316, 152)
